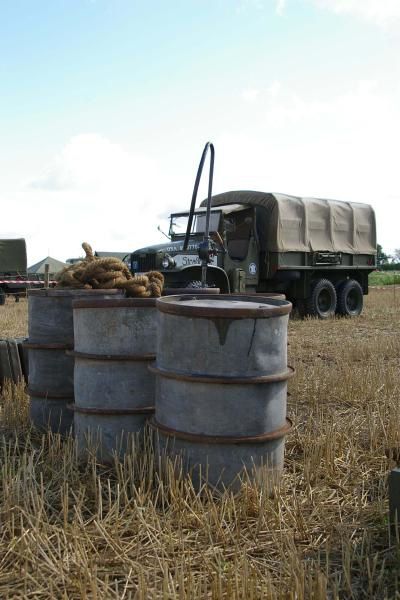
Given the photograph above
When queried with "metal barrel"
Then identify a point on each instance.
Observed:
(222, 385)
(51, 370)
(115, 341)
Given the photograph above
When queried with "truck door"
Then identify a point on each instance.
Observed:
(241, 262)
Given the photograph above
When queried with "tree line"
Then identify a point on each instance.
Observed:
(387, 262)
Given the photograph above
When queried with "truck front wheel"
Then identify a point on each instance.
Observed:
(322, 301)
(350, 299)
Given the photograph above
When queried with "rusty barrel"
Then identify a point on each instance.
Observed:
(115, 341)
(222, 385)
(51, 371)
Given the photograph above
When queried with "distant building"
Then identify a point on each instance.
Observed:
(38, 269)
(101, 254)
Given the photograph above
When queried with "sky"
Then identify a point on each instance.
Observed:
(105, 106)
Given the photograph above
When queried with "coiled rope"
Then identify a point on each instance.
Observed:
(109, 273)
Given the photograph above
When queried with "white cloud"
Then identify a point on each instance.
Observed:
(250, 95)
(362, 105)
(253, 95)
(342, 146)
(91, 162)
(274, 88)
(382, 12)
(94, 190)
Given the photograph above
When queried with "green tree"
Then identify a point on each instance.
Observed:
(382, 258)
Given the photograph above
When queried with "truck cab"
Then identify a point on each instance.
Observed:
(234, 265)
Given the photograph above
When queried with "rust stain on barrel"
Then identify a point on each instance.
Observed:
(222, 327)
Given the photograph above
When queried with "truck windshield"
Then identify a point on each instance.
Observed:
(179, 223)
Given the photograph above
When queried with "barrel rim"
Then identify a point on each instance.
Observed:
(68, 292)
(181, 291)
(48, 395)
(53, 346)
(199, 438)
(112, 357)
(275, 307)
(199, 291)
(270, 295)
(115, 303)
(208, 378)
(111, 411)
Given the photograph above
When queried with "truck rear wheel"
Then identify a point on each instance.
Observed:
(2, 297)
(322, 301)
(350, 299)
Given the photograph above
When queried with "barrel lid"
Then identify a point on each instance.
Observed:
(76, 292)
(224, 306)
(115, 303)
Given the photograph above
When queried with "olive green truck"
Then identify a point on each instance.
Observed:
(317, 252)
(13, 270)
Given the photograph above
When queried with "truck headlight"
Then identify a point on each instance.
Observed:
(167, 262)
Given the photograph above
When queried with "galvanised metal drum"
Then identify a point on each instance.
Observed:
(115, 341)
(51, 371)
(222, 384)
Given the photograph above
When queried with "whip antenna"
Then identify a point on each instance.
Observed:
(205, 248)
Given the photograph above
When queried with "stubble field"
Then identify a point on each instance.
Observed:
(73, 531)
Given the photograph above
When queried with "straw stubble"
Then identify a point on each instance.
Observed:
(134, 531)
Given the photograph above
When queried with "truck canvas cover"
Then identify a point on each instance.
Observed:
(293, 224)
(13, 256)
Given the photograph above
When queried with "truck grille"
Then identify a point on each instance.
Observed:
(143, 262)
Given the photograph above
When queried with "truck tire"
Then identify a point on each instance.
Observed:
(2, 297)
(350, 299)
(322, 301)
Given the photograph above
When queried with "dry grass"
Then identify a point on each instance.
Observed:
(73, 532)
(14, 318)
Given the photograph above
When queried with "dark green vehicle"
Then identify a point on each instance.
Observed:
(13, 268)
(317, 252)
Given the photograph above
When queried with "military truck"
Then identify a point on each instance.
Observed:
(317, 252)
(13, 270)
(13, 267)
